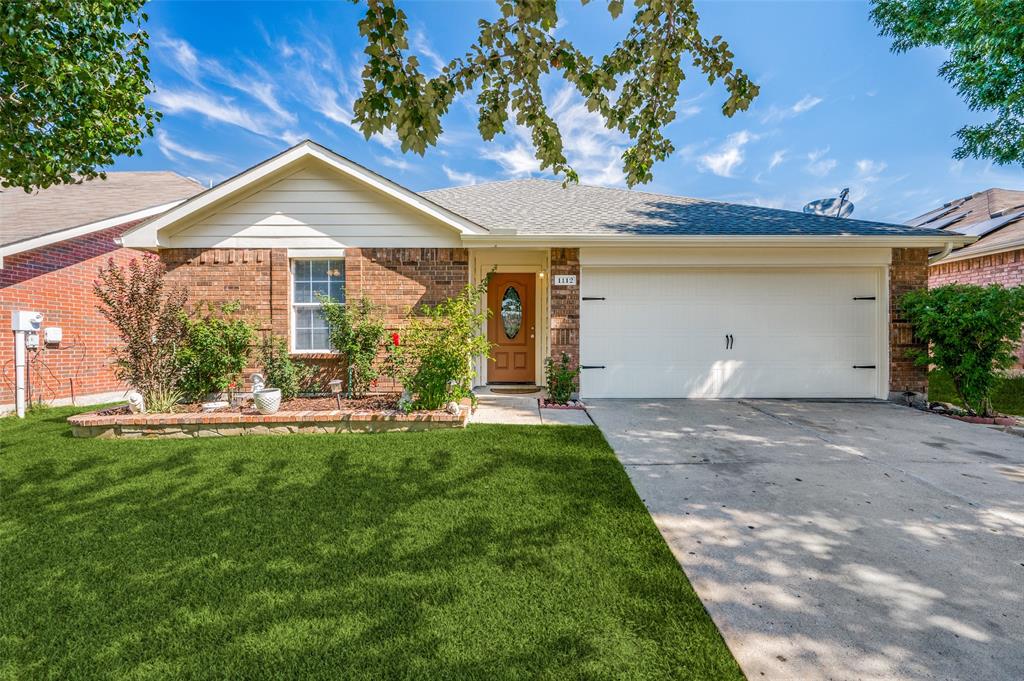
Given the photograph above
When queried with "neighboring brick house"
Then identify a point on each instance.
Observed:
(996, 217)
(52, 242)
(654, 295)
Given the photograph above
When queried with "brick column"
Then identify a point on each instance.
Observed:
(565, 305)
(279, 294)
(909, 271)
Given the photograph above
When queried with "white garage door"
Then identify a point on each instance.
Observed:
(729, 333)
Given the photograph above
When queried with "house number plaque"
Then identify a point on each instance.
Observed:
(564, 280)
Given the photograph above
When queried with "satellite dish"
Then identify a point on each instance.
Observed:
(839, 207)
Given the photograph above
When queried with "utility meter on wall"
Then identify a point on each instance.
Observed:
(22, 320)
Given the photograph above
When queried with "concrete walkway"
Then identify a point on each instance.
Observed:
(838, 540)
(523, 410)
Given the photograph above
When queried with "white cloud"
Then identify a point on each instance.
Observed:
(729, 155)
(776, 114)
(460, 178)
(868, 167)
(689, 111)
(211, 106)
(594, 151)
(818, 164)
(516, 161)
(173, 150)
(399, 163)
(182, 56)
(777, 158)
(806, 104)
(421, 44)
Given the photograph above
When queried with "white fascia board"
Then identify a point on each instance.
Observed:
(73, 232)
(981, 252)
(626, 241)
(148, 235)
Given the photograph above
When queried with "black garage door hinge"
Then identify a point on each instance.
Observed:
(591, 366)
(592, 298)
(864, 366)
(863, 297)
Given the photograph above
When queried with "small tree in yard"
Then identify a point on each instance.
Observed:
(150, 322)
(432, 357)
(357, 332)
(972, 332)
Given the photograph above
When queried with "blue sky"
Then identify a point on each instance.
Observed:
(238, 82)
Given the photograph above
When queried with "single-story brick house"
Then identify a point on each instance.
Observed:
(996, 218)
(52, 242)
(656, 296)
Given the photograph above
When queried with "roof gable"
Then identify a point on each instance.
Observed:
(159, 232)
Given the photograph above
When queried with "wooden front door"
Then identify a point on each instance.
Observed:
(511, 330)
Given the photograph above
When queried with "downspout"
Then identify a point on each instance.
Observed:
(946, 250)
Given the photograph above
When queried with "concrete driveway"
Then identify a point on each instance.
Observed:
(838, 540)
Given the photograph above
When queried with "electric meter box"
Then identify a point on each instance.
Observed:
(22, 320)
(52, 335)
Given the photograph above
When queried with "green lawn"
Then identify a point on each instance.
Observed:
(1008, 397)
(494, 552)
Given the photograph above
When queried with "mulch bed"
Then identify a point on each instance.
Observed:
(385, 402)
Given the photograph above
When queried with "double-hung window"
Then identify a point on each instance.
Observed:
(309, 278)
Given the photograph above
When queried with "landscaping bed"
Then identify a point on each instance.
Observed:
(316, 415)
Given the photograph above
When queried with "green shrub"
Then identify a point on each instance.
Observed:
(432, 357)
(972, 333)
(150, 321)
(279, 369)
(214, 353)
(561, 378)
(357, 332)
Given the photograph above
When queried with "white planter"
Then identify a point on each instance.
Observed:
(267, 401)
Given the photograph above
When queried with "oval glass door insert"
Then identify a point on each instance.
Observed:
(511, 312)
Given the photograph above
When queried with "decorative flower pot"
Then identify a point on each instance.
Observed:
(267, 401)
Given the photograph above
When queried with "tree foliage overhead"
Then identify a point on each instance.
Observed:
(634, 87)
(985, 40)
(73, 78)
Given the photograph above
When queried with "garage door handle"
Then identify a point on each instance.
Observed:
(728, 341)
(864, 366)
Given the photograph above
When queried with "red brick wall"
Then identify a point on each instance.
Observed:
(565, 305)
(999, 268)
(909, 271)
(398, 278)
(56, 280)
(403, 278)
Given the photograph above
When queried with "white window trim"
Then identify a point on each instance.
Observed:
(292, 304)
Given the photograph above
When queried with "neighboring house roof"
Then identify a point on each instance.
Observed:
(75, 209)
(544, 207)
(994, 215)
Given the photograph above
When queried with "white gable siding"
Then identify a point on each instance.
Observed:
(315, 208)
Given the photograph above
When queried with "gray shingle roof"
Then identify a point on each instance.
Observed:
(26, 216)
(544, 207)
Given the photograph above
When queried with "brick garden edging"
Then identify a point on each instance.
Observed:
(179, 426)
